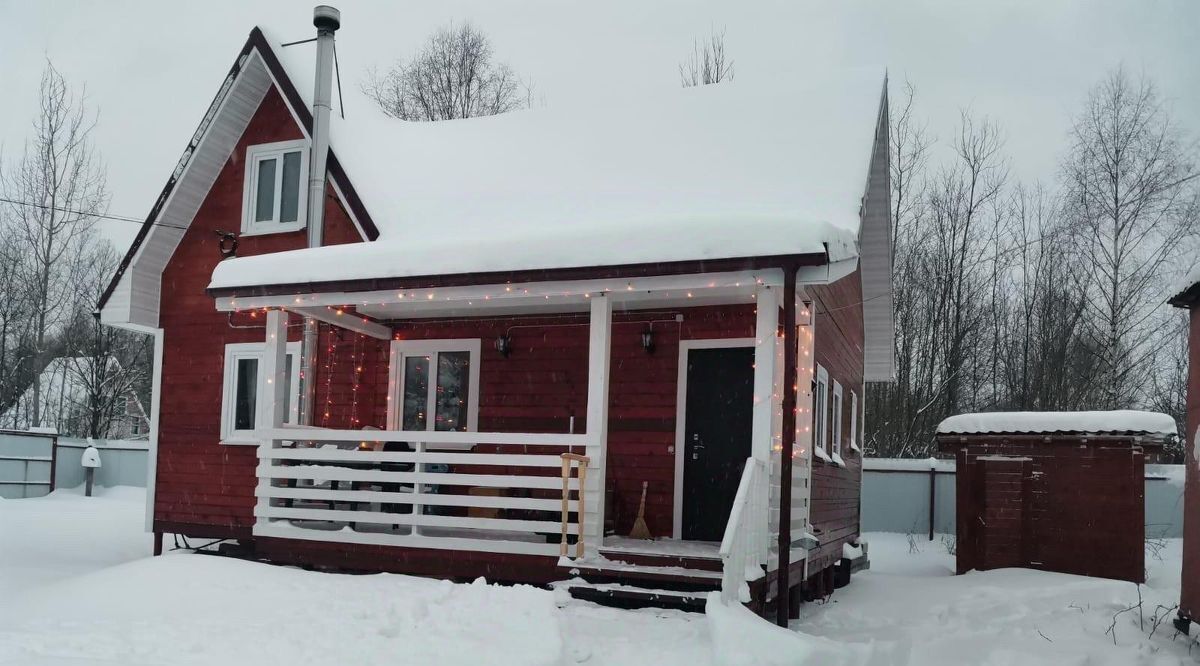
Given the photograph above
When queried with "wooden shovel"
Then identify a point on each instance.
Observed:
(640, 531)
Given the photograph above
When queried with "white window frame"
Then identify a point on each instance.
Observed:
(835, 432)
(854, 445)
(254, 154)
(400, 349)
(240, 350)
(821, 410)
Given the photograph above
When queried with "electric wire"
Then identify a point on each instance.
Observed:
(103, 216)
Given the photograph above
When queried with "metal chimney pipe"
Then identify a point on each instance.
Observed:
(327, 20)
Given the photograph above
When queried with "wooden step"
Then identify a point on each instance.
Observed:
(663, 560)
(602, 570)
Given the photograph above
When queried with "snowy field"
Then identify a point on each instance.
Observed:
(77, 588)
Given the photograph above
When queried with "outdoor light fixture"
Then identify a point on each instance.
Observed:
(504, 345)
(648, 340)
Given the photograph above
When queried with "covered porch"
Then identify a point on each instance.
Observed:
(583, 385)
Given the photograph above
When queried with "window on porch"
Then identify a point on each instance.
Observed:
(435, 385)
(244, 383)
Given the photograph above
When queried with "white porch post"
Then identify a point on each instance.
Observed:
(765, 340)
(274, 371)
(271, 400)
(766, 399)
(599, 351)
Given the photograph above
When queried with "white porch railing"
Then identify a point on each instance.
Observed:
(744, 547)
(504, 496)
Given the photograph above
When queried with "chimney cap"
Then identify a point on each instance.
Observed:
(327, 18)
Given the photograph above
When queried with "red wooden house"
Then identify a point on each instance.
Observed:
(376, 340)
(1189, 603)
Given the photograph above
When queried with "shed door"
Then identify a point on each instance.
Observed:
(717, 418)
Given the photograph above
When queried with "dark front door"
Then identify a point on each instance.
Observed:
(717, 422)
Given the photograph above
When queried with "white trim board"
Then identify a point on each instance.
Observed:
(135, 299)
(152, 440)
(686, 346)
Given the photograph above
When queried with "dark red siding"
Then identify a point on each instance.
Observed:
(543, 383)
(1066, 504)
(834, 509)
(199, 481)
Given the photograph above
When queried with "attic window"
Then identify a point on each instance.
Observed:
(275, 195)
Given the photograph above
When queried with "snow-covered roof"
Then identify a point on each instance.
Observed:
(745, 168)
(1184, 292)
(1108, 422)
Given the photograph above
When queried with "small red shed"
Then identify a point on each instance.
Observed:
(1059, 491)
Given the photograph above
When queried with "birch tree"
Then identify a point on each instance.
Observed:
(58, 187)
(1130, 187)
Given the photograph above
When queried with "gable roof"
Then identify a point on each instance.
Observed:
(714, 173)
(736, 170)
(256, 45)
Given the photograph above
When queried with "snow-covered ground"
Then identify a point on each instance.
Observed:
(77, 587)
(912, 603)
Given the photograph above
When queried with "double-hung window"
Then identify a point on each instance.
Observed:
(835, 431)
(275, 194)
(854, 445)
(435, 386)
(244, 383)
(821, 412)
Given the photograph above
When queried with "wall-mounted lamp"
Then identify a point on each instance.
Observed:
(648, 340)
(504, 345)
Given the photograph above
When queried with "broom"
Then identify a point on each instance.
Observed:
(640, 531)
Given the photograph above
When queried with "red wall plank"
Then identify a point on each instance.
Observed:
(836, 490)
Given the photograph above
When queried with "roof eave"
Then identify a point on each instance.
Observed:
(1188, 298)
(526, 276)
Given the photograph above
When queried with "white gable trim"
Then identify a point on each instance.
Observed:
(135, 299)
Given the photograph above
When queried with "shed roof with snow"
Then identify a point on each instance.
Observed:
(1153, 425)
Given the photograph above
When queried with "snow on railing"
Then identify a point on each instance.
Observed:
(744, 547)
(491, 492)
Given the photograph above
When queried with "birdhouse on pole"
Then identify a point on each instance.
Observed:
(90, 461)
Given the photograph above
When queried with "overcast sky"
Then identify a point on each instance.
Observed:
(151, 68)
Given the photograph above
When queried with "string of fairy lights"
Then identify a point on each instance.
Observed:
(802, 448)
(585, 292)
